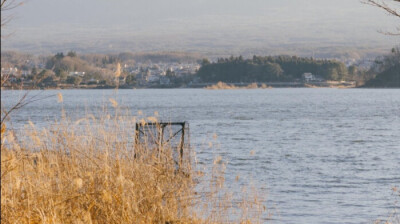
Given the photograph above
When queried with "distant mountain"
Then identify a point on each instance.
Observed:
(318, 28)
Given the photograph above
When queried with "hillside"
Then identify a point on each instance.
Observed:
(389, 78)
(270, 68)
(388, 71)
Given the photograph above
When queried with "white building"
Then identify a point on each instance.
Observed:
(9, 71)
(308, 77)
(76, 73)
(153, 78)
(25, 73)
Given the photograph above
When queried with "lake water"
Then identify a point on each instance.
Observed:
(319, 155)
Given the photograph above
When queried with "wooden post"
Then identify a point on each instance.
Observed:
(182, 140)
(140, 128)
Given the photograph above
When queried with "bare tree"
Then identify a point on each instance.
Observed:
(5, 7)
(390, 6)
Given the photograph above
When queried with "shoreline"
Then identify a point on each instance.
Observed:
(209, 86)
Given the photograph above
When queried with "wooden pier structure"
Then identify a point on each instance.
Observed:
(159, 134)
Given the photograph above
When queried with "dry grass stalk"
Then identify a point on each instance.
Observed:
(222, 85)
(88, 172)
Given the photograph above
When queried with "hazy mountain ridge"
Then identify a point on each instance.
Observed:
(248, 40)
(318, 28)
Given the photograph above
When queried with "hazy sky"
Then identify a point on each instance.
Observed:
(125, 12)
(341, 20)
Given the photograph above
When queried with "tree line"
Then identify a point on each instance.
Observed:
(270, 68)
(387, 69)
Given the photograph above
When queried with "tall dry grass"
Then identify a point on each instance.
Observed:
(394, 214)
(90, 171)
(222, 85)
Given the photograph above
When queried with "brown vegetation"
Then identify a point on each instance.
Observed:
(89, 171)
(394, 216)
(222, 85)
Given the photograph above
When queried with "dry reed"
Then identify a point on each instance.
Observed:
(90, 171)
(222, 85)
(394, 216)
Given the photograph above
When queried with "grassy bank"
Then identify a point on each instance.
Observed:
(88, 171)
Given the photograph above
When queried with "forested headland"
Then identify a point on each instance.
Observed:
(272, 68)
(388, 71)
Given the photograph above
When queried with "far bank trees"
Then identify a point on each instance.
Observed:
(388, 71)
(388, 66)
(270, 69)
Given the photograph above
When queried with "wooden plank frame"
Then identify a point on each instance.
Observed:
(161, 127)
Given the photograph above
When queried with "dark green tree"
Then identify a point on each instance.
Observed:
(34, 71)
(59, 55)
(170, 74)
(74, 80)
(205, 61)
(71, 54)
(277, 68)
(130, 79)
(388, 69)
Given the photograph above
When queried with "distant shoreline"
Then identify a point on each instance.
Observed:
(219, 85)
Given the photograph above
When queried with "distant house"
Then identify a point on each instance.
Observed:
(308, 77)
(25, 73)
(41, 66)
(76, 74)
(141, 77)
(9, 71)
(49, 81)
(153, 78)
(92, 81)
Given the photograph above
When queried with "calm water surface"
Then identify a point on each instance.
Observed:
(320, 155)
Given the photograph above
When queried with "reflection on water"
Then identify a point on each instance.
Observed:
(322, 155)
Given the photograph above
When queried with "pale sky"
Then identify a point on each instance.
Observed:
(110, 12)
(199, 21)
